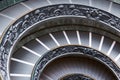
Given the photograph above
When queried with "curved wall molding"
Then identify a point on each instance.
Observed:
(73, 49)
(15, 30)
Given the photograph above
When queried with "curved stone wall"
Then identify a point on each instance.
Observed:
(22, 24)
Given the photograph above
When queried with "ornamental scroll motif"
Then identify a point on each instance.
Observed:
(39, 14)
(73, 49)
(76, 77)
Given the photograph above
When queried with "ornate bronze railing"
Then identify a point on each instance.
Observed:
(25, 22)
(7, 3)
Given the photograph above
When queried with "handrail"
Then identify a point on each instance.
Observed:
(7, 3)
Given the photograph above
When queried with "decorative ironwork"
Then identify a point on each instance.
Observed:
(25, 22)
(72, 49)
(76, 77)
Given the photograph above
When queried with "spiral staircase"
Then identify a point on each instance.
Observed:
(60, 40)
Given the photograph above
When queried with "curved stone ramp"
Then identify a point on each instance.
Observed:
(11, 14)
(26, 57)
